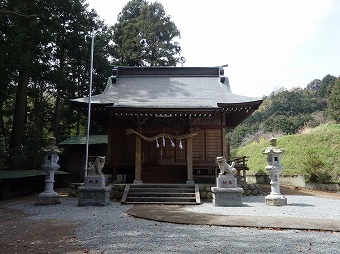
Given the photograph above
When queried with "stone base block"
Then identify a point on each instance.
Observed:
(190, 182)
(94, 196)
(48, 198)
(95, 181)
(227, 196)
(276, 200)
(226, 181)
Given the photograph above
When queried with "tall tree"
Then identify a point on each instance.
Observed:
(334, 101)
(326, 84)
(145, 36)
(45, 51)
(23, 20)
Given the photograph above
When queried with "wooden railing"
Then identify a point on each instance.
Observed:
(240, 166)
(209, 170)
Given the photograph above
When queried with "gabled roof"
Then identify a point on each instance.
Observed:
(167, 87)
(172, 91)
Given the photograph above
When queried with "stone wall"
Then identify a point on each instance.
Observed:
(117, 191)
(249, 190)
(295, 180)
(323, 186)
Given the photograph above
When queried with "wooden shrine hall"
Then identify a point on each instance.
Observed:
(167, 124)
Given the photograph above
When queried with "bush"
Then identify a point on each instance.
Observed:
(314, 168)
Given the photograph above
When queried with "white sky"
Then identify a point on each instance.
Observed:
(267, 44)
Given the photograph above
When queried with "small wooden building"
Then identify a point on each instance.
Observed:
(167, 124)
(73, 158)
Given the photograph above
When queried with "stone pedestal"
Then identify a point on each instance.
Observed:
(227, 193)
(227, 196)
(93, 196)
(226, 181)
(50, 198)
(276, 200)
(95, 181)
(94, 192)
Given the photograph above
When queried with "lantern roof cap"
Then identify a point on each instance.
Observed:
(273, 149)
(51, 147)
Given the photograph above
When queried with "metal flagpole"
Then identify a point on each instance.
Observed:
(89, 109)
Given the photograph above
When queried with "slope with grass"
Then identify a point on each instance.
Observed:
(314, 149)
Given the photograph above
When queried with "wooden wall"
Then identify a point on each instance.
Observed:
(207, 145)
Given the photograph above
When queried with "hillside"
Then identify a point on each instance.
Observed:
(320, 145)
(286, 112)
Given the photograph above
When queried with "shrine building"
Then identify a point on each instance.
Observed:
(167, 124)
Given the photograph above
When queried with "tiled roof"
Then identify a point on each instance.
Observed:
(167, 87)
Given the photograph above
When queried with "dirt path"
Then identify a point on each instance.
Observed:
(20, 235)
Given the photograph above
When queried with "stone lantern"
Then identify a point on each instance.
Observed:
(51, 151)
(274, 169)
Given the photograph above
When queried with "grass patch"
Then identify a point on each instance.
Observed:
(322, 141)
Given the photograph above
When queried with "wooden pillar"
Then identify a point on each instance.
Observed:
(224, 143)
(109, 154)
(138, 161)
(225, 149)
(138, 155)
(190, 178)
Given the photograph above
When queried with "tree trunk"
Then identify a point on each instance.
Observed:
(59, 84)
(5, 137)
(57, 116)
(19, 119)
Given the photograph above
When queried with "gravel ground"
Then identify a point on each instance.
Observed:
(297, 207)
(109, 230)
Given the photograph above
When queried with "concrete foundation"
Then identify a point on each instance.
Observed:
(227, 196)
(276, 200)
(48, 199)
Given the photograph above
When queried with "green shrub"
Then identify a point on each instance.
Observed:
(314, 168)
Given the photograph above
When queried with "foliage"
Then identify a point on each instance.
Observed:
(334, 101)
(314, 168)
(145, 36)
(323, 141)
(44, 61)
(289, 111)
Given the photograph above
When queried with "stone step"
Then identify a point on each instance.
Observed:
(161, 190)
(161, 194)
(168, 186)
(161, 203)
(161, 199)
(158, 194)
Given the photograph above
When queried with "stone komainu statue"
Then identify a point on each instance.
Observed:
(224, 167)
(96, 167)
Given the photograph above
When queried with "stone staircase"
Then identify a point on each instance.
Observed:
(168, 194)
